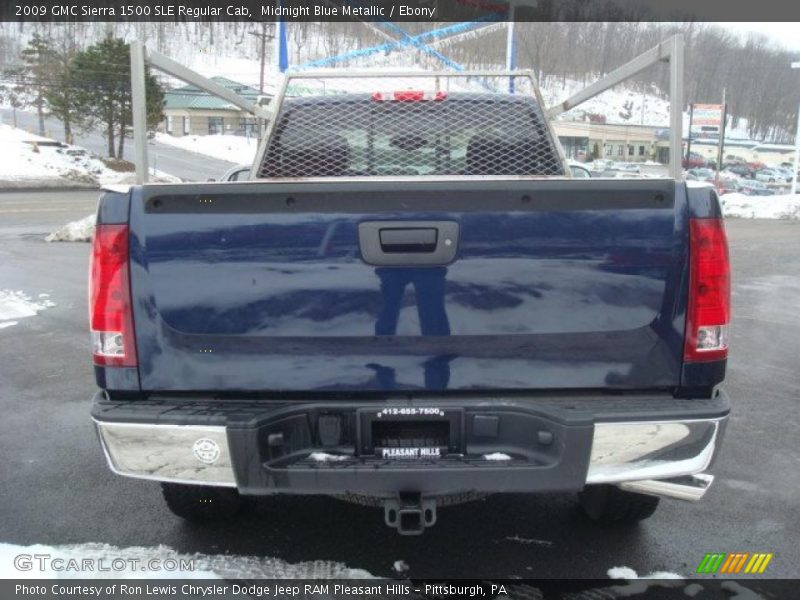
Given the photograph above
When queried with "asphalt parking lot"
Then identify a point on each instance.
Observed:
(56, 488)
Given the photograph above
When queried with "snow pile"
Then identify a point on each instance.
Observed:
(133, 560)
(81, 230)
(400, 566)
(637, 586)
(15, 304)
(233, 148)
(33, 160)
(630, 574)
(784, 206)
(325, 457)
(496, 456)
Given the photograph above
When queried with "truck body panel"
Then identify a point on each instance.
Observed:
(552, 284)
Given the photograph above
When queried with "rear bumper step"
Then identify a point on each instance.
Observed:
(496, 445)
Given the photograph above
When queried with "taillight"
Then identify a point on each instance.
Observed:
(110, 314)
(709, 310)
(409, 96)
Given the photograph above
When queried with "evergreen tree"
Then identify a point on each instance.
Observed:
(103, 76)
(12, 93)
(37, 72)
(61, 93)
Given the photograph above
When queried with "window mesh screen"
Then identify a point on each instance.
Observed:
(381, 127)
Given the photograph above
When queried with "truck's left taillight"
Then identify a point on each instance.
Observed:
(709, 311)
(110, 311)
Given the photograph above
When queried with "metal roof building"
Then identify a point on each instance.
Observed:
(190, 110)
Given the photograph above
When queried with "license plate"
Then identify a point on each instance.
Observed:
(410, 432)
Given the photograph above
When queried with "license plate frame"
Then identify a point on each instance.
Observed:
(454, 417)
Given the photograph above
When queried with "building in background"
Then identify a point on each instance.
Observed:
(192, 111)
(622, 143)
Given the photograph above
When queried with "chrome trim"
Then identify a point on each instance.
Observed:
(165, 452)
(689, 487)
(652, 449)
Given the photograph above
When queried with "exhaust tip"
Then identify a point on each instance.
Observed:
(687, 487)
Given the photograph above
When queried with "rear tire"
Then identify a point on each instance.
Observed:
(200, 502)
(609, 505)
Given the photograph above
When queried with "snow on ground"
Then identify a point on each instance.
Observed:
(628, 573)
(81, 230)
(637, 586)
(19, 135)
(784, 206)
(496, 456)
(619, 105)
(30, 160)
(325, 457)
(135, 562)
(15, 304)
(233, 148)
(400, 566)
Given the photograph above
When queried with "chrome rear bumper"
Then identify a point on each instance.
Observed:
(176, 453)
(657, 458)
(664, 457)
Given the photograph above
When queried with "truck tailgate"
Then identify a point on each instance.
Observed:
(477, 283)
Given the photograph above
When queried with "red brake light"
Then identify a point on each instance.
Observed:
(110, 311)
(409, 95)
(708, 313)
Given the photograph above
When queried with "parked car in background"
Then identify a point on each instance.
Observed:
(579, 171)
(701, 174)
(756, 166)
(694, 160)
(237, 173)
(742, 170)
(727, 185)
(769, 175)
(599, 165)
(785, 172)
(751, 187)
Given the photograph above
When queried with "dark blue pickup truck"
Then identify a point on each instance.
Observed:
(412, 304)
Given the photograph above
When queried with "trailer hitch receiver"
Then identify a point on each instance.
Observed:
(409, 513)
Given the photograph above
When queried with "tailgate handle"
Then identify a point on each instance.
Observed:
(408, 243)
(408, 239)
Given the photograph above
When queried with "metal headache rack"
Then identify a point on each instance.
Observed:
(356, 124)
(409, 123)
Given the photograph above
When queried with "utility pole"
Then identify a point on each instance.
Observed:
(511, 44)
(721, 136)
(264, 36)
(796, 65)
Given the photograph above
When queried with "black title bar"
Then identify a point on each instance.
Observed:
(431, 11)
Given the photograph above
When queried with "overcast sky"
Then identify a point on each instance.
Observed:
(786, 34)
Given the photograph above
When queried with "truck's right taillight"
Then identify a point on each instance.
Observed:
(110, 314)
(709, 309)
